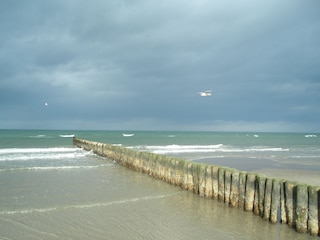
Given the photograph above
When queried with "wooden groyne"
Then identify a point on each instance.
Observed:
(273, 199)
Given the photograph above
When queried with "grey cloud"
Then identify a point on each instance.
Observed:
(144, 60)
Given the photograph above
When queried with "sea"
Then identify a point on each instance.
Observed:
(50, 189)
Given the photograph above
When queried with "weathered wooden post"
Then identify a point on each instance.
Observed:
(261, 186)
(202, 169)
(173, 172)
(275, 201)
(283, 213)
(215, 182)
(227, 185)
(301, 210)
(221, 171)
(166, 169)
(290, 188)
(242, 189)
(189, 182)
(180, 165)
(155, 166)
(208, 183)
(267, 199)
(145, 167)
(314, 215)
(234, 191)
(195, 177)
(249, 194)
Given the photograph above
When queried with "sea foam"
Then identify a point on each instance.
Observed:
(24, 154)
(172, 149)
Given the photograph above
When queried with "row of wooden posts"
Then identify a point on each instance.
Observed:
(275, 200)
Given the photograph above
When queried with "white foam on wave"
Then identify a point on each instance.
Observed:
(275, 149)
(67, 135)
(39, 136)
(310, 135)
(176, 149)
(24, 154)
(305, 157)
(26, 211)
(90, 205)
(53, 168)
(36, 150)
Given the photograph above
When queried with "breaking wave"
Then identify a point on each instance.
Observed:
(172, 149)
(50, 168)
(25, 154)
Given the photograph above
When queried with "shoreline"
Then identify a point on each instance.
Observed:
(311, 178)
(284, 170)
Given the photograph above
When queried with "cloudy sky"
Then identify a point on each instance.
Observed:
(139, 65)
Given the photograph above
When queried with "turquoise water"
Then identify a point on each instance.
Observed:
(274, 150)
(16, 138)
(51, 190)
(197, 146)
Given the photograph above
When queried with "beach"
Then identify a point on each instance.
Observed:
(52, 190)
(291, 171)
(308, 177)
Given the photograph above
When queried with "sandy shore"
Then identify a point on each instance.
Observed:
(292, 171)
(300, 176)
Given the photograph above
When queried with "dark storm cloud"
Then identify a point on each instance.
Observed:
(124, 64)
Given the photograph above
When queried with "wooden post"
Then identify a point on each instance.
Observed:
(234, 191)
(227, 185)
(208, 183)
(250, 189)
(313, 219)
(289, 196)
(261, 186)
(275, 201)
(221, 171)
(301, 210)
(202, 169)
(242, 189)
(267, 200)
(215, 182)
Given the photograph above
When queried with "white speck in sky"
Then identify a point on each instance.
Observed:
(205, 93)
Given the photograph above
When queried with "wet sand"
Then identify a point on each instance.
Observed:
(292, 171)
(300, 176)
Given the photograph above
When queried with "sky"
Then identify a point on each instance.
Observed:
(140, 64)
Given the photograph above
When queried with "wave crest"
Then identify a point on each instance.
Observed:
(176, 149)
(24, 154)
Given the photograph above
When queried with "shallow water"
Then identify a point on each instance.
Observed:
(112, 202)
(50, 190)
